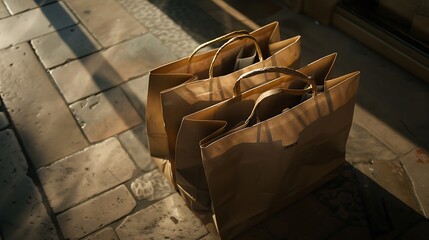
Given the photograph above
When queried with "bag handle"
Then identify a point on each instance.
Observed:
(240, 37)
(272, 92)
(218, 39)
(269, 93)
(284, 70)
(261, 98)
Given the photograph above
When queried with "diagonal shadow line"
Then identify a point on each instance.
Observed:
(104, 81)
(99, 75)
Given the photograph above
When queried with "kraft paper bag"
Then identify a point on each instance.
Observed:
(194, 67)
(267, 147)
(189, 172)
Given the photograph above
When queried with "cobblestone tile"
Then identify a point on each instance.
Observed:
(3, 120)
(364, 147)
(108, 68)
(305, 219)
(169, 218)
(44, 20)
(23, 214)
(136, 91)
(3, 11)
(17, 6)
(104, 234)
(135, 142)
(106, 114)
(180, 25)
(112, 28)
(36, 108)
(84, 174)
(416, 164)
(93, 214)
(58, 47)
(151, 186)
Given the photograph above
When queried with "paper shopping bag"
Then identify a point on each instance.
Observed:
(189, 172)
(188, 69)
(190, 97)
(265, 163)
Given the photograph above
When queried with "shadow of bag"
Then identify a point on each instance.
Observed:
(190, 177)
(282, 150)
(170, 80)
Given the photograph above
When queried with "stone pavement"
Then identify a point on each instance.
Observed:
(74, 162)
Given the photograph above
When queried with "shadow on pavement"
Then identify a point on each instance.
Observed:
(17, 205)
(351, 204)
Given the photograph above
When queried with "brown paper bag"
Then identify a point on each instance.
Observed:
(259, 158)
(189, 69)
(190, 177)
(190, 97)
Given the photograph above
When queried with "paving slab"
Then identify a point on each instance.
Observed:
(395, 141)
(84, 174)
(108, 68)
(112, 28)
(151, 186)
(36, 108)
(67, 44)
(388, 198)
(364, 147)
(169, 218)
(136, 91)
(104, 234)
(12, 161)
(17, 6)
(3, 120)
(215, 236)
(135, 142)
(106, 114)
(15, 29)
(392, 177)
(416, 164)
(96, 213)
(3, 11)
(23, 214)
